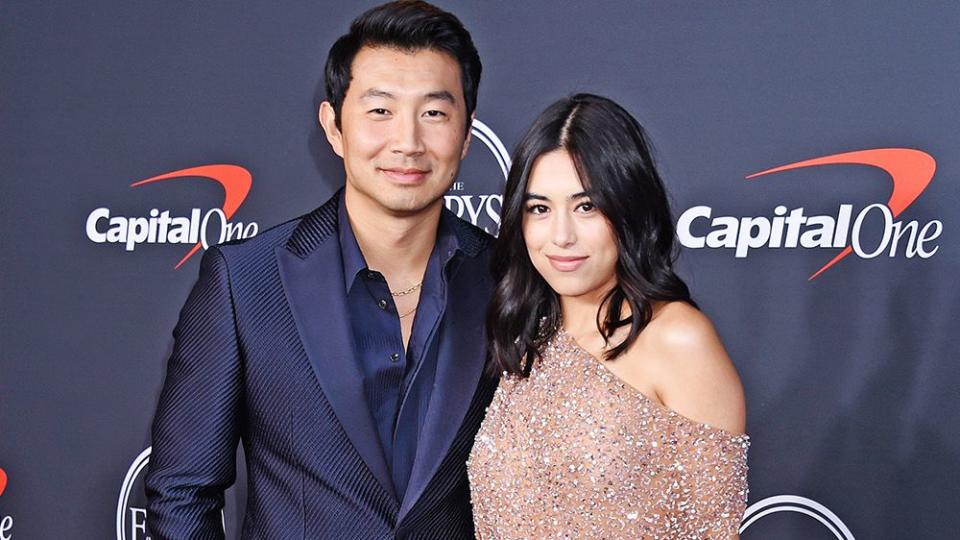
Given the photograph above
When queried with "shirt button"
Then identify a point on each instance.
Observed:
(371, 275)
(394, 357)
(382, 303)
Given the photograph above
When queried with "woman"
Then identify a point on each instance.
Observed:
(619, 414)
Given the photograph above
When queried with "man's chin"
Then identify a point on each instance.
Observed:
(410, 206)
(401, 202)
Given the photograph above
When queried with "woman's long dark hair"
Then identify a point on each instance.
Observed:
(610, 152)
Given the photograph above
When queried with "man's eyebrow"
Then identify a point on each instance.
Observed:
(442, 95)
(374, 93)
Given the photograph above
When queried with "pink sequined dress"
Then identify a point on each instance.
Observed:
(573, 452)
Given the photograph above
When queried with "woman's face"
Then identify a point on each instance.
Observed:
(570, 243)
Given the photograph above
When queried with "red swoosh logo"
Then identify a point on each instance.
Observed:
(3, 481)
(910, 170)
(236, 182)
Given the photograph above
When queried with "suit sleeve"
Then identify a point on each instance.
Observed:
(197, 424)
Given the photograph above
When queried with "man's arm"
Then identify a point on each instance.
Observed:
(196, 426)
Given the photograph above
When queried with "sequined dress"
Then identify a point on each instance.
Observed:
(574, 452)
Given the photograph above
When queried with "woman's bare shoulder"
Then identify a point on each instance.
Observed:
(690, 369)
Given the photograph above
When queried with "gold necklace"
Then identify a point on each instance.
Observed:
(409, 312)
(406, 292)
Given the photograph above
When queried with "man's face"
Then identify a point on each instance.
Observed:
(402, 132)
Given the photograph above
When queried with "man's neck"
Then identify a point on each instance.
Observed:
(397, 246)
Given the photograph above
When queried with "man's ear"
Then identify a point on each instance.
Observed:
(328, 121)
(466, 142)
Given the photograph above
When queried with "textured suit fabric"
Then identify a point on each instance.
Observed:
(398, 388)
(259, 359)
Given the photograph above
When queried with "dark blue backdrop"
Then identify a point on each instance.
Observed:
(851, 378)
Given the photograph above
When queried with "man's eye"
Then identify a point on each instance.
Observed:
(435, 114)
(379, 111)
(536, 209)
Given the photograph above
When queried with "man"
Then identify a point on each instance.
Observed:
(345, 349)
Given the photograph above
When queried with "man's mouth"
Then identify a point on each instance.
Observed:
(405, 175)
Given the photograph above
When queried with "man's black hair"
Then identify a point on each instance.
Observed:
(407, 25)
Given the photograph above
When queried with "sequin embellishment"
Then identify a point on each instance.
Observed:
(574, 452)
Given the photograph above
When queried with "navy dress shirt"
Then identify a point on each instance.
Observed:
(397, 383)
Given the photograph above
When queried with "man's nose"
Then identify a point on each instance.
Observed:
(406, 136)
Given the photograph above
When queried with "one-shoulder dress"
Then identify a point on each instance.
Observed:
(574, 452)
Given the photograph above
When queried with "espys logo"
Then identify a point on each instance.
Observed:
(131, 505)
(800, 505)
(910, 171)
(6, 522)
(160, 228)
(477, 194)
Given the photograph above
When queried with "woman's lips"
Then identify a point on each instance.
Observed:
(566, 264)
(406, 176)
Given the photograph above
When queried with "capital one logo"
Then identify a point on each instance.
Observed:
(197, 229)
(6, 522)
(910, 172)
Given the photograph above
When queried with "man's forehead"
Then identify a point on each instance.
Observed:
(396, 71)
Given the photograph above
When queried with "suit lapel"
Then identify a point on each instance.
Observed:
(460, 361)
(312, 277)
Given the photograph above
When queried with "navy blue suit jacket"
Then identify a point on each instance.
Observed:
(263, 356)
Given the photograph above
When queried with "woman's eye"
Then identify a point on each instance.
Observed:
(586, 207)
(536, 209)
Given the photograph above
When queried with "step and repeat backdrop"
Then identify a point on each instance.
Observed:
(811, 150)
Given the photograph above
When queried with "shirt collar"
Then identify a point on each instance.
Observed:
(350, 254)
(448, 243)
(446, 247)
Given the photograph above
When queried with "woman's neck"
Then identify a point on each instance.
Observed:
(580, 312)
